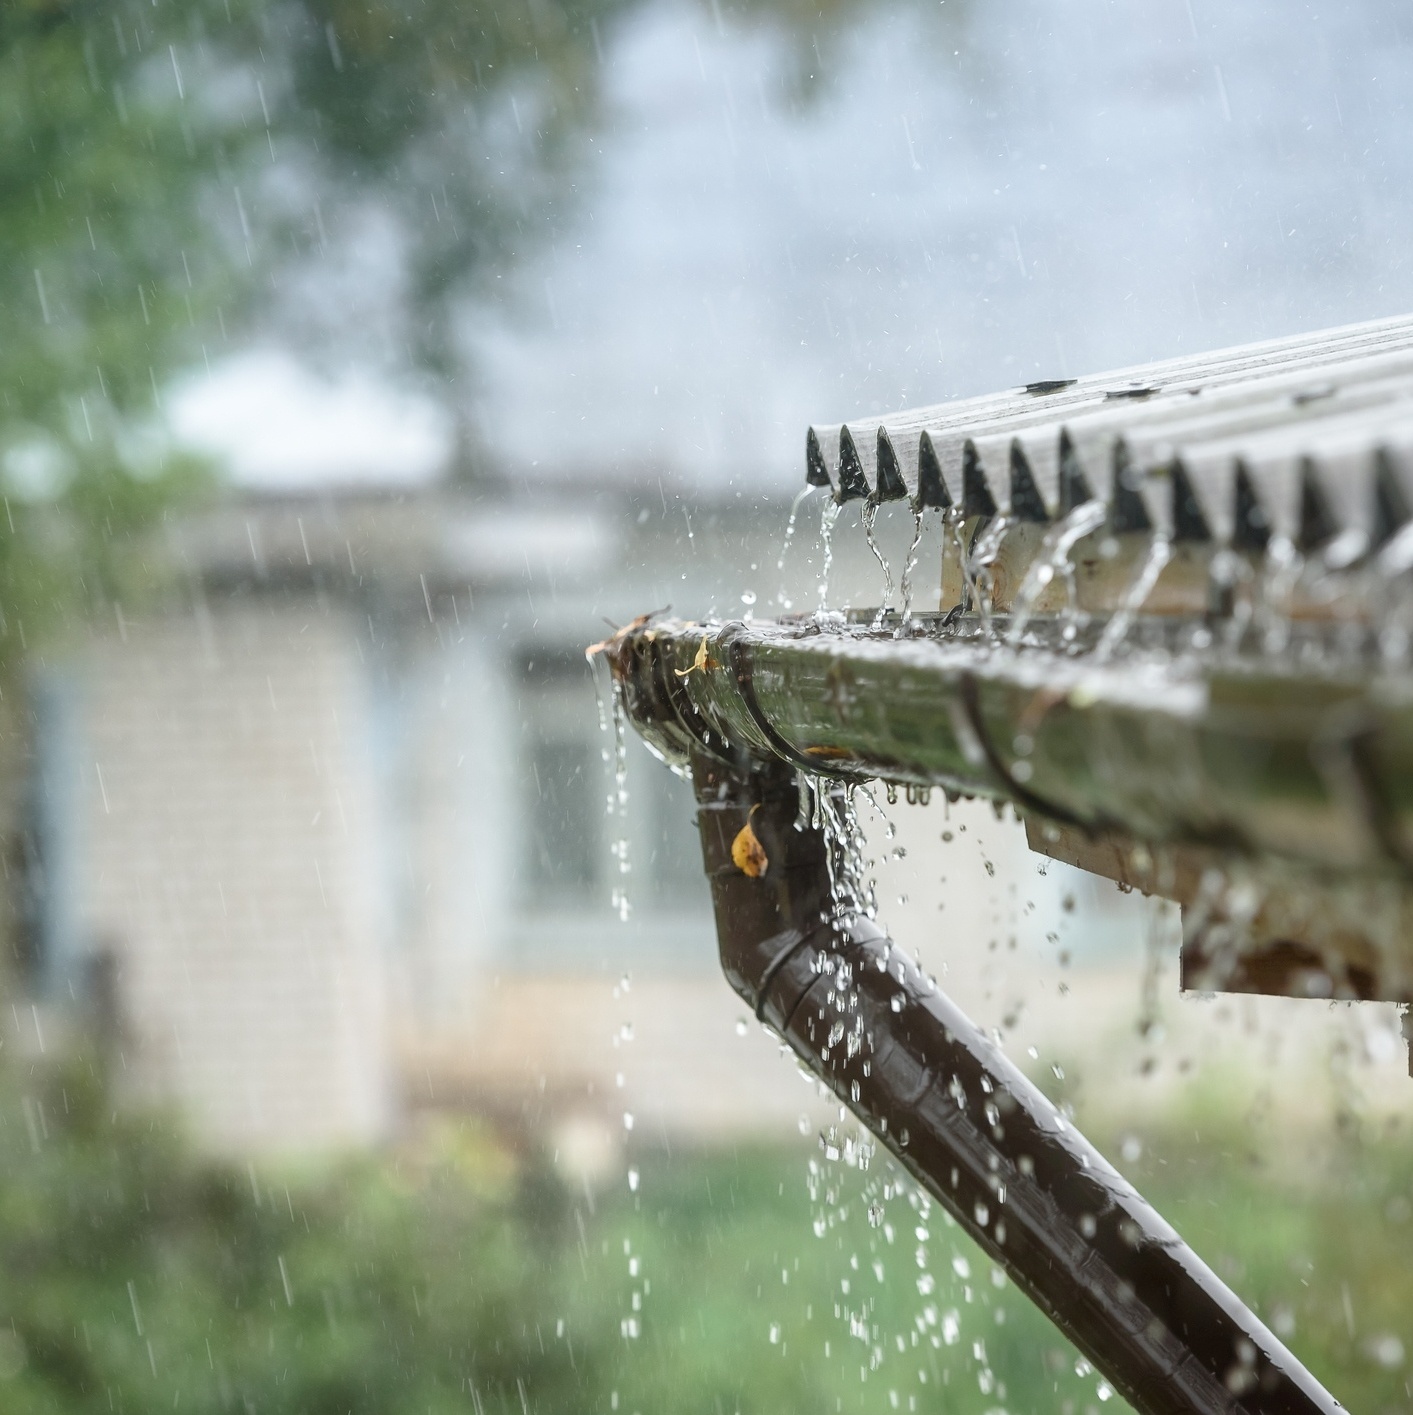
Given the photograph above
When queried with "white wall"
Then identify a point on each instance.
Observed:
(227, 861)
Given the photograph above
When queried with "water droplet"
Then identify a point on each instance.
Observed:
(627, 1119)
(633, 1181)
(748, 597)
(961, 1267)
(875, 1215)
(775, 1333)
(741, 1027)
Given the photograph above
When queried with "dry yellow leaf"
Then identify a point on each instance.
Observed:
(701, 662)
(748, 854)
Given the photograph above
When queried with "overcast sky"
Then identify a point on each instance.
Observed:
(977, 195)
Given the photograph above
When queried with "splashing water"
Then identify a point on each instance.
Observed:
(828, 518)
(1160, 551)
(952, 538)
(976, 568)
(782, 598)
(870, 515)
(905, 586)
(1054, 559)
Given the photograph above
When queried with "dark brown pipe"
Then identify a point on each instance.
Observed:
(1072, 1233)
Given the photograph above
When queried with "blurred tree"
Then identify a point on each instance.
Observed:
(135, 1276)
(106, 271)
(165, 168)
(172, 170)
(176, 173)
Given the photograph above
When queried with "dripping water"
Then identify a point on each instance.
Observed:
(618, 805)
(977, 568)
(1055, 559)
(905, 585)
(1160, 551)
(870, 515)
(782, 598)
(828, 518)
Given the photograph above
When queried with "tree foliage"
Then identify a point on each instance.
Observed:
(169, 170)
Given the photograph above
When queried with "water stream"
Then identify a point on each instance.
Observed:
(905, 586)
(828, 519)
(1160, 551)
(977, 565)
(782, 597)
(1054, 559)
(870, 515)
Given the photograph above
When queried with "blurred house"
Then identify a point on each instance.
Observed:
(324, 837)
(321, 838)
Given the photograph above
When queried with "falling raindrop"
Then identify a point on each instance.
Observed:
(782, 599)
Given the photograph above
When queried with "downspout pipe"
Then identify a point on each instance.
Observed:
(1032, 1192)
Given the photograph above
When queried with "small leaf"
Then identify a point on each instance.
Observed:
(748, 854)
(701, 662)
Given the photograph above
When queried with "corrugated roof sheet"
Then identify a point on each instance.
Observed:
(1303, 437)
